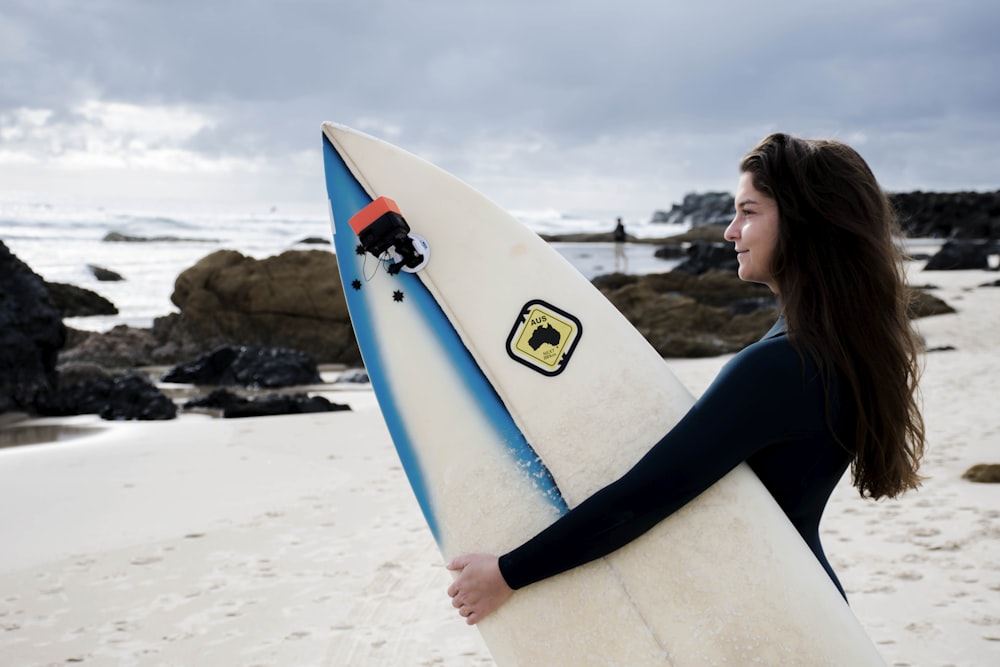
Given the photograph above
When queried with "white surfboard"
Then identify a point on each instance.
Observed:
(513, 390)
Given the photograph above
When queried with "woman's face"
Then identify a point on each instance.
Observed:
(754, 230)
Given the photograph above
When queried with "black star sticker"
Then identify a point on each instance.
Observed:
(397, 296)
(356, 284)
(359, 249)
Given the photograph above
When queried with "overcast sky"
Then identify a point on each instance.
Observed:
(581, 106)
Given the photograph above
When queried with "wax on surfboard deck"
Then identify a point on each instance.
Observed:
(512, 390)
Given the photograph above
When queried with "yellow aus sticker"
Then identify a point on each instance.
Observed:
(544, 337)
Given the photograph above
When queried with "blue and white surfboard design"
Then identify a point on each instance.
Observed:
(429, 357)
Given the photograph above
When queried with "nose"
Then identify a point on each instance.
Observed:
(733, 230)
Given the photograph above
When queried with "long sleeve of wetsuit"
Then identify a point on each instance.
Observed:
(764, 396)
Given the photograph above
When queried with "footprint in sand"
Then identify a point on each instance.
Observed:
(924, 531)
(146, 560)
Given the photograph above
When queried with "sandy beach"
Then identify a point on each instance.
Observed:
(295, 540)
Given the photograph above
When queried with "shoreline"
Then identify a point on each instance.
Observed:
(296, 539)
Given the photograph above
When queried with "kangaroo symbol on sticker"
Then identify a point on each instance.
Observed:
(543, 337)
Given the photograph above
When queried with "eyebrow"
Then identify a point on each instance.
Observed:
(744, 202)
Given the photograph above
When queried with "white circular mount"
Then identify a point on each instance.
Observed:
(421, 246)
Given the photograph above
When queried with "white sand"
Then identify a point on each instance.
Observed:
(296, 541)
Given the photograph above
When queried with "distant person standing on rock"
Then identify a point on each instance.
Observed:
(619, 232)
(621, 260)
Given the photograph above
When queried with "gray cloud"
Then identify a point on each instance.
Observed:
(633, 101)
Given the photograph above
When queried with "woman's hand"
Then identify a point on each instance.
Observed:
(479, 588)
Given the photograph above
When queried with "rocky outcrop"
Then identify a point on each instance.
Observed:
(293, 300)
(31, 334)
(75, 301)
(963, 255)
(953, 215)
(924, 304)
(122, 347)
(118, 237)
(957, 215)
(710, 208)
(704, 256)
(688, 315)
(253, 367)
(233, 406)
(983, 473)
(314, 240)
(104, 274)
(124, 396)
(699, 315)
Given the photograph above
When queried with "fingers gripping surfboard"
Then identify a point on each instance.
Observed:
(492, 359)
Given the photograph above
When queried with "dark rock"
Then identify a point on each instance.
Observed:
(923, 304)
(127, 396)
(209, 369)
(293, 300)
(133, 396)
(88, 396)
(701, 245)
(612, 281)
(315, 240)
(279, 404)
(703, 257)
(122, 347)
(31, 334)
(235, 406)
(584, 237)
(961, 256)
(708, 233)
(671, 252)
(118, 237)
(218, 399)
(690, 315)
(710, 208)
(103, 274)
(687, 315)
(76, 301)
(248, 367)
(984, 473)
(77, 372)
(954, 215)
(720, 289)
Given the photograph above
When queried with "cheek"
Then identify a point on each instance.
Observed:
(770, 238)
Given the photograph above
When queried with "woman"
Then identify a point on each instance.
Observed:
(831, 386)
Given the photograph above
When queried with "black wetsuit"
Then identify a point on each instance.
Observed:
(766, 408)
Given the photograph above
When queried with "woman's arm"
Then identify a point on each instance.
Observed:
(762, 396)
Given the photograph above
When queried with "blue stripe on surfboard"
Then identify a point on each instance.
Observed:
(347, 197)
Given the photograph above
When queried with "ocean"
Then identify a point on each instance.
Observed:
(59, 239)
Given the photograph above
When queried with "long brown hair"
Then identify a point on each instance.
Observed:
(842, 287)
